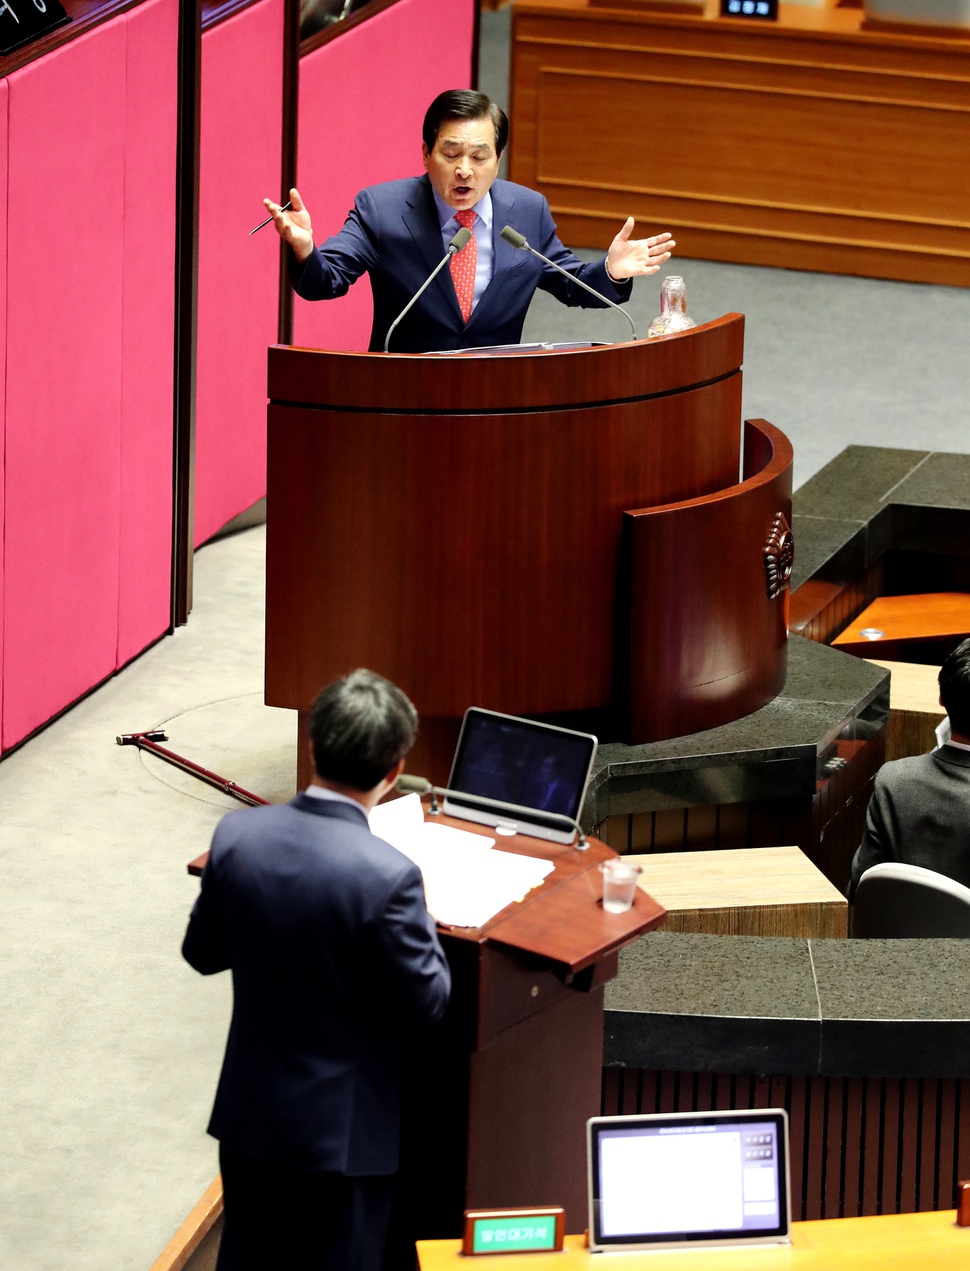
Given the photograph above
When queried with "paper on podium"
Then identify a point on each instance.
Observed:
(465, 881)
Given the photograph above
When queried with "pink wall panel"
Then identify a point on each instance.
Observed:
(3, 348)
(362, 100)
(148, 326)
(66, 127)
(240, 159)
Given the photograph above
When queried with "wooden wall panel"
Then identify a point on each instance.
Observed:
(827, 825)
(807, 143)
(859, 1146)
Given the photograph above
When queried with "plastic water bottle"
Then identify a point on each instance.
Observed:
(673, 308)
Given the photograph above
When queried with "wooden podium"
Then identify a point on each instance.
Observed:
(497, 1096)
(457, 524)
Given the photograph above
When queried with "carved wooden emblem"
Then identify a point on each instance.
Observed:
(779, 556)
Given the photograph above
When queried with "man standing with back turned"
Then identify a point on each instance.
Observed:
(399, 231)
(334, 961)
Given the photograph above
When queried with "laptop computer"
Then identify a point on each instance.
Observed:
(688, 1179)
(518, 761)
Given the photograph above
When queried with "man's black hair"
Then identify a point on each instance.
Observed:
(955, 688)
(360, 727)
(463, 103)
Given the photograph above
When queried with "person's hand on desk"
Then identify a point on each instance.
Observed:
(632, 258)
(293, 226)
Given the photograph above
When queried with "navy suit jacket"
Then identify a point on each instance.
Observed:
(334, 961)
(393, 234)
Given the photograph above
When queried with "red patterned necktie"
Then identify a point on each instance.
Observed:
(464, 265)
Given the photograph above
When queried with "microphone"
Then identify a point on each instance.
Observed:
(520, 241)
(409, 784)
(454, 247)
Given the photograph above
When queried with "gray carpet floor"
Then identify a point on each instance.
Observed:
(110, 1045)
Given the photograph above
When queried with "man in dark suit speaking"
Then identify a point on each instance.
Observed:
(399, 231)
(334, 961)
(919, 812)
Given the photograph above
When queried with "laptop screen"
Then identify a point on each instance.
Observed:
(689, 1178)
(522, 762)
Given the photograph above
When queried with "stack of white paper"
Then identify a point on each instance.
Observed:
(465, 881)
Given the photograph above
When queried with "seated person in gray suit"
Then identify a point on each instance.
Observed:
(334, 962)
(919, 813)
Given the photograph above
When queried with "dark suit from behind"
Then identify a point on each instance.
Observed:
(334, 961)
(919, 814)
(394, 235)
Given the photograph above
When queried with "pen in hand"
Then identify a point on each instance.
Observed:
(285, 208)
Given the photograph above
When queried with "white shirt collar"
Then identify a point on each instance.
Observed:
(446, 213)
(321, 792)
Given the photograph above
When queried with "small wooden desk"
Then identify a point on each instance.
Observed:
(892, 1242)
(914, 708)
(906, 620)
(753, 891)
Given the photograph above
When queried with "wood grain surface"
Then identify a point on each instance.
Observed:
(913, 687)
(473, 558)
(907, 619)
(483, 383)
(768, 891)
(889, 1242)
(807, 143)
(561, 922)
(187, 1250)
(914, 708)
(84, 16)
(707, 643)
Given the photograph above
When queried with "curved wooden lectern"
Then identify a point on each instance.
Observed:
(456, 523)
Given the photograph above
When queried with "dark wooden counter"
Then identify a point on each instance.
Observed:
(809, 143)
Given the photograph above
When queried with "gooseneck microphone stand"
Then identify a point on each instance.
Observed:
(454, 247)
(519, 241)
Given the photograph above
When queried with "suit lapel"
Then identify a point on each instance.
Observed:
(503, 254)
(421, 218)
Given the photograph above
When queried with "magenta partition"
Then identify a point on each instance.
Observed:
(362, 99)
(90, 132)
(147, 327)
(239, 165)
(63, 436)
(3, 358)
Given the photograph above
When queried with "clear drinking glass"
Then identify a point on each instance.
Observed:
(619, 885)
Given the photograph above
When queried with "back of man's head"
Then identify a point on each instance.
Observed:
(955, 688)
(464, 103)
(360, 727)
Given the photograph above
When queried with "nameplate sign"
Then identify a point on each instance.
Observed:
(22, 21)
(759, 10)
